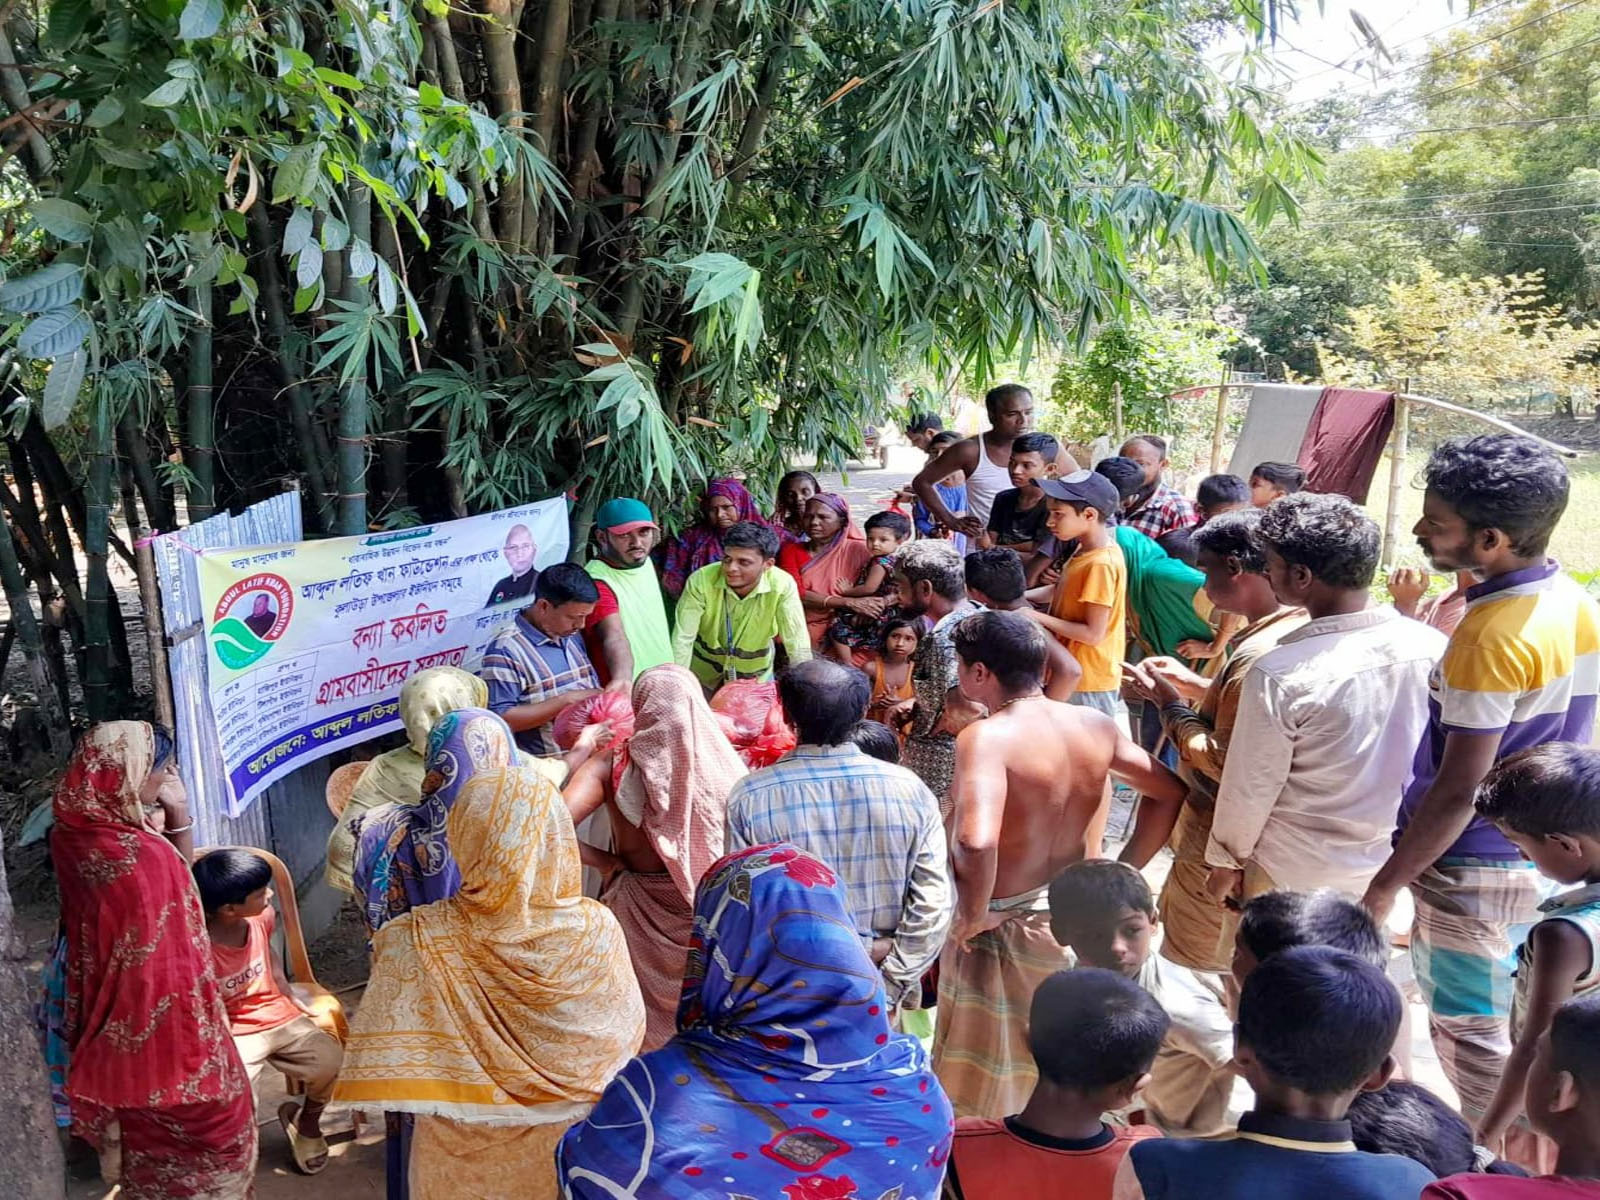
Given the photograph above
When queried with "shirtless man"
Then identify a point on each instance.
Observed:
(985, 460)
(1030, 791)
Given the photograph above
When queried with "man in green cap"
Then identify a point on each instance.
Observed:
(625, 532)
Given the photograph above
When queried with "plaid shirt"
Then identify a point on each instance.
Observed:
(1165, 511)
(878, 827)
(524, 665)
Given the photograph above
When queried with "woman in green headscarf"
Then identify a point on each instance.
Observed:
(396, 777)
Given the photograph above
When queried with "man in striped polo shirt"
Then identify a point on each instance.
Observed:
(1521, 669)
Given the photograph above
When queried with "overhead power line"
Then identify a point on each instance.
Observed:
(1524, 124)
(1466, 216)
(1426, 62)
(1421, 37)
(1431, 96)
(1535, 187)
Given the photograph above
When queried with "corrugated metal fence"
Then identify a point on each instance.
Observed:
(291, 818)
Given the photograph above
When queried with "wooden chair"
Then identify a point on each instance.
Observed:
(326, 1010)
(341, 782)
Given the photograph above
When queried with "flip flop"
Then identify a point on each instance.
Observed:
(310, 1153)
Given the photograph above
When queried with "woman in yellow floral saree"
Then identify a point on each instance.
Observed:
(499, 1015)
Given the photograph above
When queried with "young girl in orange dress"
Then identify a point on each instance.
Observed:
(891, 673)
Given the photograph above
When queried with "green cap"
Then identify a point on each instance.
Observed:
(623, 515)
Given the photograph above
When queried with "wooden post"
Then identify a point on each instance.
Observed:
(1221, 423)
(1116, 416)
(150, 603)
(1399, 444)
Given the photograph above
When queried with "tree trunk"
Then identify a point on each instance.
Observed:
(136, 449)
(582, 162)
(547, 94)
(505, 101)
(99, 701)
(201, 455)
(353, 396)
(15, 89)
(755, 121)
(30, 1152)
(26, 627)
(444, 46)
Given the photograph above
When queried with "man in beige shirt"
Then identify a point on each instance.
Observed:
(1235, 568)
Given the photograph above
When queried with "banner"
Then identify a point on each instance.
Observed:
(308, 643)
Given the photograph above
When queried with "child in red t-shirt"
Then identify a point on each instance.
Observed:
(1093, 1035)
(269, 1025)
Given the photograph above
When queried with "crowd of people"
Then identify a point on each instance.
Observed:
(893, 959)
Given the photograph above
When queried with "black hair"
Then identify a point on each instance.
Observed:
(997, 573)
(1042, 444)
(1154, 440)
(1575, 1042)
(565, 583)
(1233, 535)
(925, 422)
(229, 876)
(1328, 535)
(1091, 1028)
(1095, 893)
(1553, 788)
(914, 624)
(896, 523)
(1216, 490)
(1318, 1019)
(1125, 475)
(823, 699)
(876, 739)
(948, 437)
(995, 396)
(164, 747)
(749, 535)
(936, 562)
(1276, 921)
(790, 476)
(1502, 481)
(1286, 477)
(1407, 1119)
(1179, 544)
(1010, 645)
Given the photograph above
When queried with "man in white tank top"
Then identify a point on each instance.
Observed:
(985, 460)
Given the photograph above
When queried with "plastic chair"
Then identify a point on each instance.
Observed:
(326, 1010)
(342, 782)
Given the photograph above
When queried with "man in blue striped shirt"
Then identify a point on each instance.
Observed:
(876, 824)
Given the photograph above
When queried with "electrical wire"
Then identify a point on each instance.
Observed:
(1421, 37)
(1431, 96)
(1468, 216)
(1535, 187)
(1525, 124)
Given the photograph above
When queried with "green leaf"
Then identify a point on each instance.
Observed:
(68, 20)
(297, 231)
(362, 260)
(200, 19)
(309, 267)
(57, 285)
(168, 94)
(122, 156)
(54, 333)
(338, 79)
(104, 113)
(124, 242)
(63, 219)
(429, 95)
(235, 222)
(61, 388)
(297, 173)
(388, 291)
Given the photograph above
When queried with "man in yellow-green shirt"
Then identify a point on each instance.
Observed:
(732, 611)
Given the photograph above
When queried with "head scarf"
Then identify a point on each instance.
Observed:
(396, 777)
(680, 770)
(402, 856)
(511, 1003)
(700, 545)
(842, 559)
(784, 1048)
(1161, 594)
(145, 1024)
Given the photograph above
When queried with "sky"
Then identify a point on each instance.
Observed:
(1308, 47)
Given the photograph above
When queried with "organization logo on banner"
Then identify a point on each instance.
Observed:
(250, 616)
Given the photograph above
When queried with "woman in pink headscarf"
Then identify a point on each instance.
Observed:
(726, 502)
(837, 550)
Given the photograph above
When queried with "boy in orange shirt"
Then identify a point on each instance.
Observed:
(1088, 610)
(1094, 1035)
(269, 1025)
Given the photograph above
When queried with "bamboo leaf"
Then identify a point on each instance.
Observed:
(61, 388)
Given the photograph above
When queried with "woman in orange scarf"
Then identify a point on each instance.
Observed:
(154, 1080)
(497, 1016)
(837, 550)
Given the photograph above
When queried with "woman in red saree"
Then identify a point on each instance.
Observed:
(837, 550)
(154, 1081)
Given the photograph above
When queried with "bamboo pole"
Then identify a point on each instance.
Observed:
(1116, 415)
(1446, 406)
(1399, 445)
(201, 409)
(353, 396)
(99, 700)
(1219, 426)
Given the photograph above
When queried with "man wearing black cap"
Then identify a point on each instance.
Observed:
(1090, 601)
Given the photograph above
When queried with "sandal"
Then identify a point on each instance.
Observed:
(310, 1153)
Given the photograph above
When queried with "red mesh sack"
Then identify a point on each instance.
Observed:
(607, 706)
(749, 713)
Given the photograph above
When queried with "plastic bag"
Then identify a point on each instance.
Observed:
(607, 706)
(749, 713)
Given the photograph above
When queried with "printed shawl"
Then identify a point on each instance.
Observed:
(145, 1024)
(396, 777)
(512, 1002)
(402, 856)
(784, 1048)
(700, 545)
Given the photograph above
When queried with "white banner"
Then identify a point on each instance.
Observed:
(308, 643)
